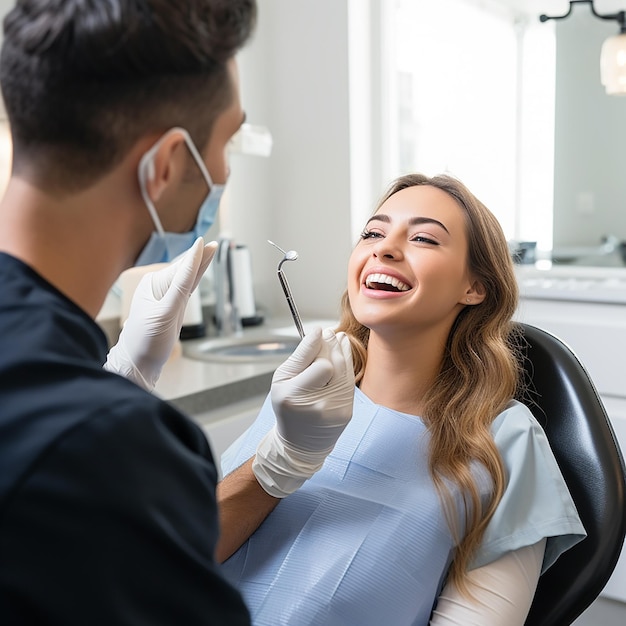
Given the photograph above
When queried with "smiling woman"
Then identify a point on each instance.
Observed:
(441, 484)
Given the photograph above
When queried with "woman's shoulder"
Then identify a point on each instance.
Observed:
(514, 421)
(536, 502)
(521, 440)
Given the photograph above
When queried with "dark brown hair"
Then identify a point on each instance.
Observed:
(83, 80)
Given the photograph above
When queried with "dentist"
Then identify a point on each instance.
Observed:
(120, 114)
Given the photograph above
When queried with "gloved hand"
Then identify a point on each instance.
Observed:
(156, 316)
(312, 396)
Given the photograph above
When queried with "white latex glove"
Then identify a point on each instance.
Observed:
(156, 316)
(312, 395)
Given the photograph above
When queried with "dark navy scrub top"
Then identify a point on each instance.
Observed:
(107, 494)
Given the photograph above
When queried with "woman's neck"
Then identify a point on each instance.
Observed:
(399, 371)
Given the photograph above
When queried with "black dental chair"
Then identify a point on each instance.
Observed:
(566, 403)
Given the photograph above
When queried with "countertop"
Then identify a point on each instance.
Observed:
(197, 386)
(579, 284)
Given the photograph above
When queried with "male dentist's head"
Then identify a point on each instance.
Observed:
(120, 114)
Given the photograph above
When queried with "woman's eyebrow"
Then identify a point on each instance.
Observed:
(380, 217)
(427, 220)
(414, 221)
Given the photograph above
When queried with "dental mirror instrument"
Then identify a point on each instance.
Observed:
(291, 255)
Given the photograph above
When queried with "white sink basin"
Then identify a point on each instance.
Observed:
(242, 349)
(271, 344)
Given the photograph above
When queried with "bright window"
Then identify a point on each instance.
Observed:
(471, 93)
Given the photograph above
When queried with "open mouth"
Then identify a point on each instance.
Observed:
(384, 282)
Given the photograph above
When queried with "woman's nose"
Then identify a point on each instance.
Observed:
(388, 248)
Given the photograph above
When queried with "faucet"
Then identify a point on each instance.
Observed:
(227, 320)
(610, 243)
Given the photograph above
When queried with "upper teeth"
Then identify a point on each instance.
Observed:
(389, 280)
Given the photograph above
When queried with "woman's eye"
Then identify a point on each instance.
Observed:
(370, 234)
(424, 239)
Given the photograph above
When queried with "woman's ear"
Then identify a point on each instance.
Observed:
(475, 294)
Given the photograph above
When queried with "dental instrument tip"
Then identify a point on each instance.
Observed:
(276, 246)
(290, 255)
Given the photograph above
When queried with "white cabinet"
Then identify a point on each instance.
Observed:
(616, 408)
(596, 332)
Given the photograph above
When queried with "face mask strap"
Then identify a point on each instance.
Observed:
(147, 160)
(144, 167)
(196, 157)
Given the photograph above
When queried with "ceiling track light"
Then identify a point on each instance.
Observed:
(613, 54)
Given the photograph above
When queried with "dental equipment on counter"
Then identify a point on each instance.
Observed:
(291, 255)
(227, 320)
(234, 292)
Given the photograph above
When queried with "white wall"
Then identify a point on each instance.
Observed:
(5, 7)
(295, 77)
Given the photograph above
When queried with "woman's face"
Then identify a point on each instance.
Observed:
(409, 268)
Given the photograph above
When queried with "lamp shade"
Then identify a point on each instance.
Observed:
(613, 65)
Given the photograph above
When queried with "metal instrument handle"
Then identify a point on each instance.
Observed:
(292, 305)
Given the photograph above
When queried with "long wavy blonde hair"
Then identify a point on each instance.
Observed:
(479, 373)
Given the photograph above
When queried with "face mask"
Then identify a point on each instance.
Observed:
(164, 246)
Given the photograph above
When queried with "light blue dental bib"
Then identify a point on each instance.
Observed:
(347, 547)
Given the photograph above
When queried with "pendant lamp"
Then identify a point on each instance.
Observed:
(613, 53)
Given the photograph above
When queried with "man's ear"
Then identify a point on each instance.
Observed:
(165, 165)
(475, 293)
